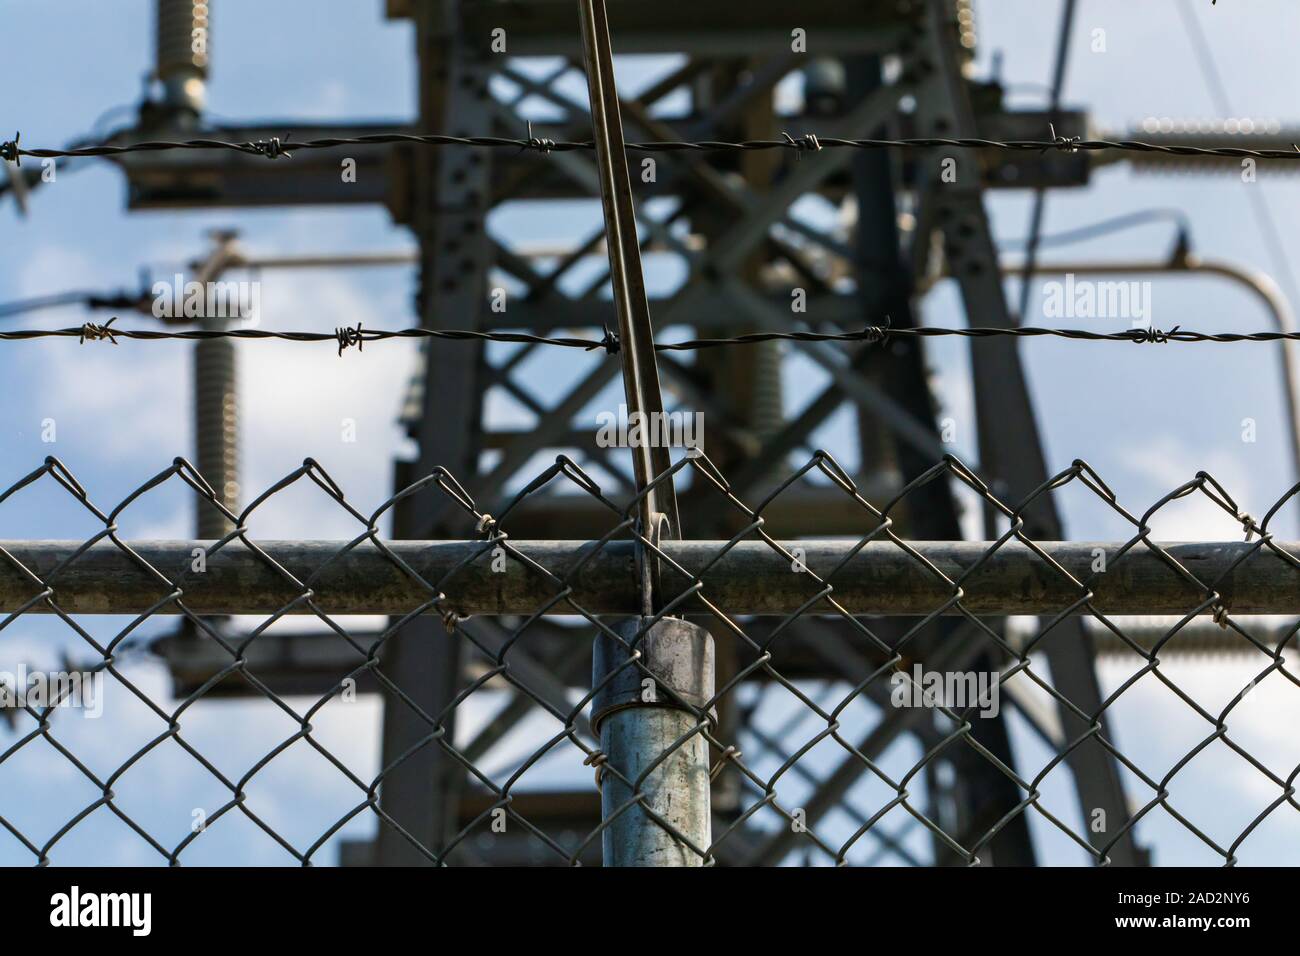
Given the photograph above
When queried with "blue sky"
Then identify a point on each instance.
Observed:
(1147, 418)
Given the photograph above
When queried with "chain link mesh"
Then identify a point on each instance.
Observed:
(809, 754)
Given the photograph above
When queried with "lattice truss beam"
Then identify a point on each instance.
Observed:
(742, 246)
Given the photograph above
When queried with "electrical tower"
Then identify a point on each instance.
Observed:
(748, 260)
(731, 223)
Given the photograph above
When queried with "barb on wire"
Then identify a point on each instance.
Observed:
(609, 341)
(95, 332)
(541, 145)
(1068, 144)
(11, 150)
(349, 336)
(277, 147)
(273, 148)
(1155, 336)
(808, 142)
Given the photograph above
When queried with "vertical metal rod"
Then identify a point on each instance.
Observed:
(647, 710)
(636, 333)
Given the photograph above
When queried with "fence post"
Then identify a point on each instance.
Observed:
(642, 715)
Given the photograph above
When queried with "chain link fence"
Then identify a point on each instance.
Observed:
(859, 699)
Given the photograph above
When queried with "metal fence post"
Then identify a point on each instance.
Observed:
(642, 720)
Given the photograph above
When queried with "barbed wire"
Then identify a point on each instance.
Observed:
(347, 337)
(278, 147)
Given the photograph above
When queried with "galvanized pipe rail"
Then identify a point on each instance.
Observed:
(752, 577)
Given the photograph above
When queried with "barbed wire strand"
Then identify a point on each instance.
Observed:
(347, 337)
(281, 147)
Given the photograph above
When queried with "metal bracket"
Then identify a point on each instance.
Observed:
(678, 655)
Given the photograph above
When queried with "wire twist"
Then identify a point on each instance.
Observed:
(11, 150)
(91, 331)
(272, 148)
(1155, 336)
(349, 336)
(807, 143)
(541, 145)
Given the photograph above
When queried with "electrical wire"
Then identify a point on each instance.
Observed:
(94, 300)
(1105, 227)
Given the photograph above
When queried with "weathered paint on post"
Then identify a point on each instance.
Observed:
(642, 714)
(677, 790)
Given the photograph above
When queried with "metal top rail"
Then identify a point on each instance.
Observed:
(499, 576)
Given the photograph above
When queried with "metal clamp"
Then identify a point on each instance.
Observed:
(677, 654)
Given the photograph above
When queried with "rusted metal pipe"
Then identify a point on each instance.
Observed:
(750, 578)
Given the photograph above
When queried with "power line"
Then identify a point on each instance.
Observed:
(1105, 227)
(54, 301)
(91, 300)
